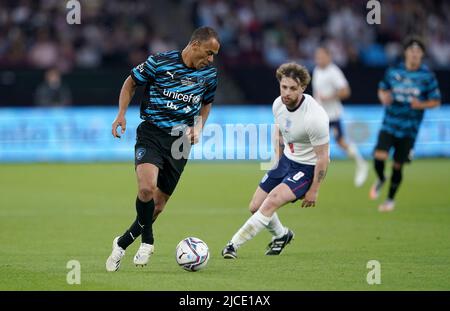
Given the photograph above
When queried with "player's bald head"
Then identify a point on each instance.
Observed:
(204, 34)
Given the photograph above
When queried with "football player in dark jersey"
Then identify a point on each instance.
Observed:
(179, 89)
(406, 91)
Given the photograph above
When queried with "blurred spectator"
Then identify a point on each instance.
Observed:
(44, 53)
(52, 92)
(338, 24)
(160, 44)
(270, 32)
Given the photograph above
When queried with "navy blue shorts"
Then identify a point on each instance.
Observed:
(337, 129)
(298, 177)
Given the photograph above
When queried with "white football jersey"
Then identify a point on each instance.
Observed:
(303, 128)
(326, 82)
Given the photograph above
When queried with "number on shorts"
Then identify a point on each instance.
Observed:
(298, 176)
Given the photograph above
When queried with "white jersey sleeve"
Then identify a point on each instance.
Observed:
(318, 129)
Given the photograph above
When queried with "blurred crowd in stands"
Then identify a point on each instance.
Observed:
(273, 31)
(122, 33)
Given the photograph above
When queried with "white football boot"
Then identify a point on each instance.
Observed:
(113, 261)
(143, 254)
(386, 206)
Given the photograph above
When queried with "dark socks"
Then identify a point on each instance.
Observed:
(396, 179)
(142, 225)
(379, 169)
(130, 235)
(145, 217)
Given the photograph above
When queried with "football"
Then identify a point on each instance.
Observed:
(192, 254)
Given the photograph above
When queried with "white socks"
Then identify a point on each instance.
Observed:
(275, 227)
(252, 227)
(255, 224)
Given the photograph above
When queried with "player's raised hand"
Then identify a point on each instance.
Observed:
(310, 199)
(119, 121)
(193, 134)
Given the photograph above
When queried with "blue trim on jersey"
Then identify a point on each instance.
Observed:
(400, 119)
(174, 93)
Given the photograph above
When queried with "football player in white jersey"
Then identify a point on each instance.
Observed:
(304, 132)
(329, 88)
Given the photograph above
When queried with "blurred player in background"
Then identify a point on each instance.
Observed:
(330, 87)
(301, 169)
(179, 86)
(406, 91)
(53, 92)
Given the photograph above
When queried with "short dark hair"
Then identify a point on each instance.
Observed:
(294, 71)
(413, 40)
(203, 34)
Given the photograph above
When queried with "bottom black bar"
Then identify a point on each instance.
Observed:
(198, 301)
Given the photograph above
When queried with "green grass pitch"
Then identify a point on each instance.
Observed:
(53, 213)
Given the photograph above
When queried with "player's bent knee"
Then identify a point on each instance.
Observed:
(272, 201)
(145, 194)
(398, 166)
(381, 155)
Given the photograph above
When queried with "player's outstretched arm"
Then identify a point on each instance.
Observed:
(194, 132)
(319, 174)
(420, 105)
(278, 143)
(204, 114)
(344, 93)
(385, 97)
(341, 94)
(126, 94)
